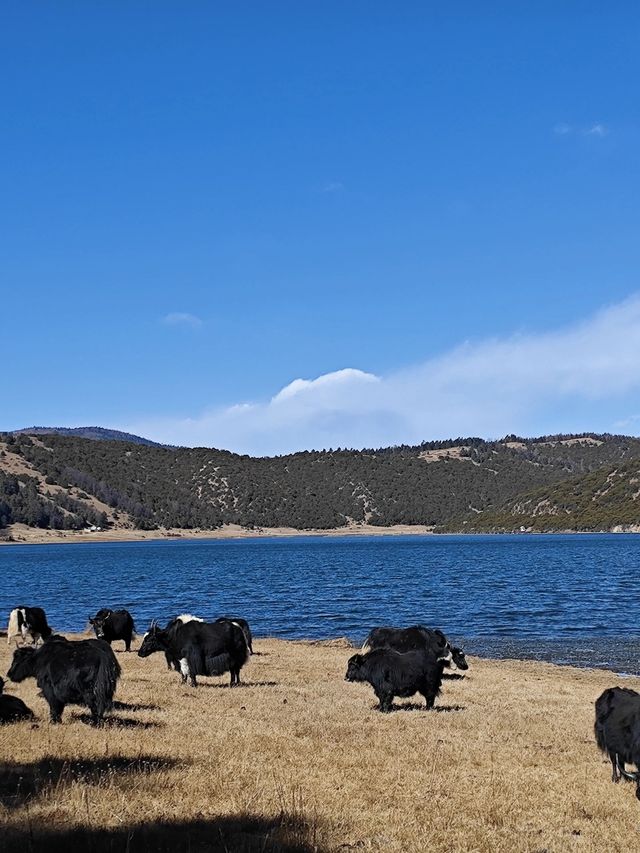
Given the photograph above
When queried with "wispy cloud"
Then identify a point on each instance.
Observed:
(332, 187)
(596, 130)
(528, 384)
(627, 423)
(179, 318)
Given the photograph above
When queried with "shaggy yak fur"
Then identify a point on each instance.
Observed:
(393, 673)
(78, 672)
(617, 731)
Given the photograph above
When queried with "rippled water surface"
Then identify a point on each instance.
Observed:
(562, 598)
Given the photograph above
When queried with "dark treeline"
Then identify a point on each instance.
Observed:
(441, 483)
(21, 501)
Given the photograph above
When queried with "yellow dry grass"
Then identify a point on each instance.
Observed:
(298, 759)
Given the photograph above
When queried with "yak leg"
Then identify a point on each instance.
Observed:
(385, 699)
(56, 707)
(615, 767)
(96, 717)
(429, 693)
(429, 698)
(187, 672)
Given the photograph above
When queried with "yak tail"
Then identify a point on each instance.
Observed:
(598, 731)
(13, 630)
(218, 664)
(247, 638)
(106, 680)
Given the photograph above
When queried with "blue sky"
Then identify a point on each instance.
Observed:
(203, 203)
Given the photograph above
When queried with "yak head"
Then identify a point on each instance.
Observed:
(354, 668)
(23, 664)
(155, 640)
(97, 622)
(459, 658)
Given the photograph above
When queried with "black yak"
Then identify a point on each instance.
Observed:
(617, 731)
(79, 672)
(13, 709)
(110, 625)
(201, 648)
(414, 638)
(393, 673)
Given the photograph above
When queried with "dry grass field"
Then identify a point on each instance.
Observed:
(298, 760)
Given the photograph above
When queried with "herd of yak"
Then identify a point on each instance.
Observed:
(394, 661)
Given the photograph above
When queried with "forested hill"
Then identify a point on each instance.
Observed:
(61, 481)
(93, 432)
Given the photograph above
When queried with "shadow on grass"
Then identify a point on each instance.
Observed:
(117, 722)
(133, 706)
(22, 783)
(420, 706)
(243, 833)
(242, 684)
(452, 676)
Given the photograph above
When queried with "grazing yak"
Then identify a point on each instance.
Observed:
(617, 731)
(171, 628)
(28, 622)
(201, 648)
(174, 624)
(111, 625)
(393, 673)
(13, 709)
(78, 672)
(413, 638)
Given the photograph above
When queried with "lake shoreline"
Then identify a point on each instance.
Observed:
(22, 535)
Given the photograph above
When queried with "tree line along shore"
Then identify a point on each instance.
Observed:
(72, 486)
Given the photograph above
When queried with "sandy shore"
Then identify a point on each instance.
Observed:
(23, 535)
(299, 760)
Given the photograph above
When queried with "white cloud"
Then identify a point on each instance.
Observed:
(332, 187)
(339, 379)
(567, 380)
(182, 319)
(596, 130)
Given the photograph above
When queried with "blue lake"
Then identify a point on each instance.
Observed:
(571, 598)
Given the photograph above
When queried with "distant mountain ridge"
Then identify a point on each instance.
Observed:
(560, 482)
(94, 433)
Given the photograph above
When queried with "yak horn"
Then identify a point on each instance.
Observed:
(632, 777)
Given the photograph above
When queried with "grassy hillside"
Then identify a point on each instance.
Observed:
(65, 482)
(601, 501)
(299, 760)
